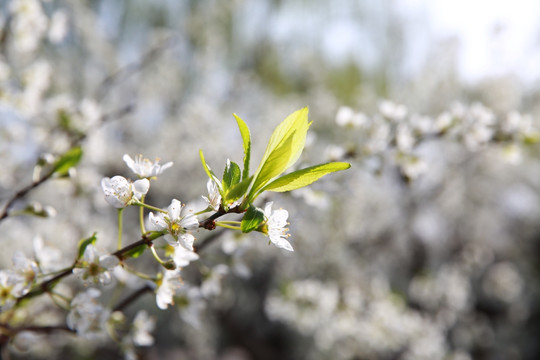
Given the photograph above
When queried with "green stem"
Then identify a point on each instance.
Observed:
(141, 216)
(165, 264)
(139, 274)
(56, 296)
(120, 213)
(230, 222)
(227, 226)
(150, 207)
(208, 209)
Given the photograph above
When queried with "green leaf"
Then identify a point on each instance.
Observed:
(136, 251)
(64, 120)
(283, 149)
(246, 138)
(210, 173)
(304, 177)
(68, 160)
(274, 165)
(252, 220)
(231, 175)
(295, 124)
(83, 244)
(35, 209)
(237, 191)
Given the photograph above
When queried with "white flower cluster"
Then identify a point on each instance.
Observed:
(347, 323)
(17, 281)
(397, 131)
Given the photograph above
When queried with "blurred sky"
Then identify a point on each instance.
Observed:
(491, 37)
(495, 37)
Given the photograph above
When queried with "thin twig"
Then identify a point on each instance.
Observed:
(22, 192)
(208, 240)
(130, 69)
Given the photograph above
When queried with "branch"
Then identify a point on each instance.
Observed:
(22, 192)
(132, 297)
(210, 222)
(130, 69)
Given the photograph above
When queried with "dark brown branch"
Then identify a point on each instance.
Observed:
(210, 222)
(208, 240)
(4, 34)
(131, 298)
(44, 329)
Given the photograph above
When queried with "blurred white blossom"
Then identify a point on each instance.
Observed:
(346, 117)
(12, 286)
(143, 325)
(29, 24)
(87, 316)
(58, 28)
(211, 285)
(169, 284)
(96, 266)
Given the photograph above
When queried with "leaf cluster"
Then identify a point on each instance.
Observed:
(283, 150)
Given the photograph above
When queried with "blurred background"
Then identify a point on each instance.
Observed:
(427, 248)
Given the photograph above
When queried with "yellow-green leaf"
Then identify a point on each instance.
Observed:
(274, 165)
(304, 177)
(283, 149)
(237, 191)
(246, 138)
(209, 172)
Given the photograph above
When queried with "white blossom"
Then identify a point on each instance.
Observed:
(48, 258)
(176, 223)
(120, 192)
(28, 25)
(214, 197)
(182, 256)
(91, 111)
(346, 117)
(404, 138)
(212, 281)
(275, 227)
(191, 305)
(26, 268)
(96, 266)
(412, 166)
(392, 111)
(58, 28)
(169, 285)
(143, 325)
(145, 168)
(12, 286)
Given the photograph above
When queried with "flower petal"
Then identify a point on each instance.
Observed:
(157, 222)
(140, 187)
(174, 210)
